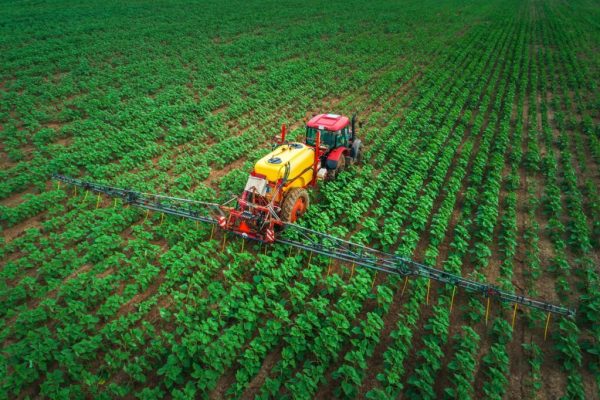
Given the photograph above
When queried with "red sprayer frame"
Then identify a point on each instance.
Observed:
(283, 132)
(317, 158)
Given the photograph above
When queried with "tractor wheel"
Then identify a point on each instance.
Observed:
(294, 205)
(357, 151)
(333, 173)
(359, 156)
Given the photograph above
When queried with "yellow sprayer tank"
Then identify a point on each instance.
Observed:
(300, 157)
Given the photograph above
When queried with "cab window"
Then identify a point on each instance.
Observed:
(343, 138)
(311, 136)
(327, 137)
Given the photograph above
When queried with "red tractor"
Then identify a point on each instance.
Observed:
(339, 145)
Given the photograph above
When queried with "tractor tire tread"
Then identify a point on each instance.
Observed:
(290, 200)
(333, 173)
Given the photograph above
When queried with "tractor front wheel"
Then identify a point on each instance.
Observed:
(333, 173)
(294, 205)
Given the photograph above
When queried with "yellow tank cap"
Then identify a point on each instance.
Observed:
(300, 157)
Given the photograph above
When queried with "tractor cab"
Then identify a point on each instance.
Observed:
(338, 145)
(335, 131)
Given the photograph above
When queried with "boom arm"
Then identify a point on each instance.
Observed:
(317, 242)
(185, 208)
(344, 250)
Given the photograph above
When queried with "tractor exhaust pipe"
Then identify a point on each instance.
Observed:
(353, 126)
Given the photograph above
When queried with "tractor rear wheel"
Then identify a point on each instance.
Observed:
(333, 173)
(356, 152)
(359, 156)
(294, 205)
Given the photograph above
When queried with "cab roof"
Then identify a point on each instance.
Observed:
(330, 122)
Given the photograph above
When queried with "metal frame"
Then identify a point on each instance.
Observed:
(311, 240)
(344, 250)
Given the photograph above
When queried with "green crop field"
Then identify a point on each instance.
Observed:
(481, 129)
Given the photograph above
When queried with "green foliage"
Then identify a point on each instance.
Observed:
(489, 105)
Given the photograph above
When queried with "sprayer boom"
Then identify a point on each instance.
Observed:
(258, 222)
